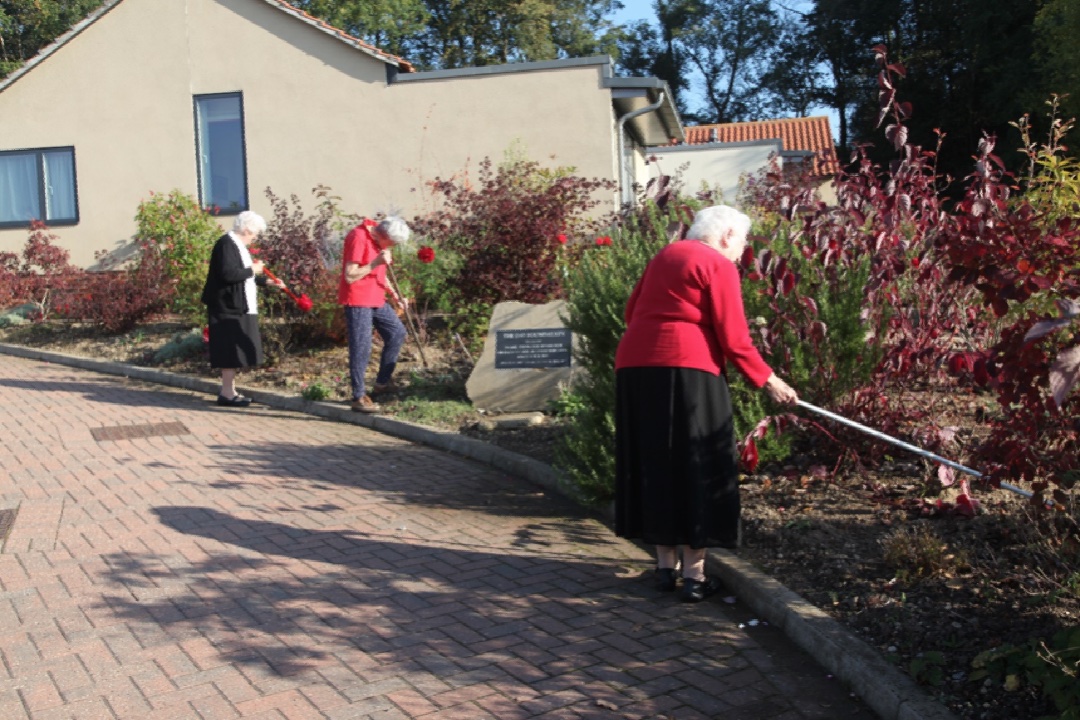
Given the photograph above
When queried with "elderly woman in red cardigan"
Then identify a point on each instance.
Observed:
(677, 484)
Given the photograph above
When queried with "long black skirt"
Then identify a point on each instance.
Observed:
(235, 341)
(676, 463)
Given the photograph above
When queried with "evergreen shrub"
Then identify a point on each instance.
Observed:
(183, 234)
(597, 288)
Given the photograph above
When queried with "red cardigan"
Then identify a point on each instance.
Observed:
(686, 311)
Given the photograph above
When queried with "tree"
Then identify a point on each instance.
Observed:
(390, 25)
(730, 46)
(721, 47)
(796, 79)
(26, 26)
(486, 32)
(1057, 25)
(969, 69)
(647, 50)
(842, 33)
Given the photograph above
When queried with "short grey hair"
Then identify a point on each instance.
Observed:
(396, 229)
(713, 223)
(251, 221)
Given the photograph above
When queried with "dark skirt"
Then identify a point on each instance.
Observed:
(235, 341)
(676, 464)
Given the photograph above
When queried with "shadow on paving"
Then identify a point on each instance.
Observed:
(448, 610)
(409, 474)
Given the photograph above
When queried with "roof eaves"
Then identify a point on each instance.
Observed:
(58, 43)
(507, 68)
(654, 86)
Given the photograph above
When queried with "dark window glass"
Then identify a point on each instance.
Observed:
(219, 133)
(38, 185)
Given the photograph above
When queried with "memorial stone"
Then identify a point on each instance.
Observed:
(527, 359)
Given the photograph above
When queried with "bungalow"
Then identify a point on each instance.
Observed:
(225, 98)
(719, 156)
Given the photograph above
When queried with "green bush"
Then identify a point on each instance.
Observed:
(820, 366)
(184, 234)
(1053, 667)
(597, 288)
(315, 392)
(182, 345)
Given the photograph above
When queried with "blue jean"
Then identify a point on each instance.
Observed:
(359, 322)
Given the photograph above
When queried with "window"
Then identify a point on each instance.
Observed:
(38, 185)
(219, 146)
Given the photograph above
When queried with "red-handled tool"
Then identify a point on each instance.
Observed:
(303, 302)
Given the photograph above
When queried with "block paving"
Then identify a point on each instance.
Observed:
(266, 564)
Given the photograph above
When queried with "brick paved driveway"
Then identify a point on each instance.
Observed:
(166, 558)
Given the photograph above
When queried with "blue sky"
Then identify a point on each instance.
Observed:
(643, 10)
(634, 10)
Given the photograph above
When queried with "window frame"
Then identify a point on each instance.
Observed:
(243, 151)
(42, 191)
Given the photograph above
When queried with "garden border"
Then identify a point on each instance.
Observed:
(886, 690)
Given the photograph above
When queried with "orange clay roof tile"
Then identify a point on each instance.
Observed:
(809, 133)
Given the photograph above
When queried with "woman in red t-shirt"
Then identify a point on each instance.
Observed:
(677, 483)
(362, 291)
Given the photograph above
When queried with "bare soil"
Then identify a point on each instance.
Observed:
(930, 588)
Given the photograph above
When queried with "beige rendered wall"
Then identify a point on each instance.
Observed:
(559, 117)
(115, 94)
(316, 111)
(719, 168)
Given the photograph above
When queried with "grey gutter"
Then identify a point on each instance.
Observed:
(626, 192)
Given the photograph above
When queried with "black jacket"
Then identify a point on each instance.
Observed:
(223, 293)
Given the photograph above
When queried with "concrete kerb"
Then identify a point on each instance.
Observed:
(887, 691)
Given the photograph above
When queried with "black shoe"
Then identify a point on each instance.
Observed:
(234, 401)
(694, 591)
(665, 579)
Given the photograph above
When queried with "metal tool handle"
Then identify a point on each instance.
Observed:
(907, 446)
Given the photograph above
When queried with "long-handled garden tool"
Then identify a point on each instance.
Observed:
(303, 301)
(907, 446)
(405, 312)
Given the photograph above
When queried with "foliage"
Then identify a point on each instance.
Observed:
(304, 251)
(315, 391)
(432, 290)
(721, 46)
(1053, 667)
(182, 345)
(487, 32)
(504, 229)
(117, 301)
(928, 668)
(1056, 26)
(390, 25)
(597, 288)
(183, 234)
(862, 286)
(918, 551)
(1023, 256)
(27, 26)
(44, 277)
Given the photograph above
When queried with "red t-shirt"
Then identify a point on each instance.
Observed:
(686, 311)
(360, 248)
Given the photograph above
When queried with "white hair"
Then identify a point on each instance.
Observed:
(395, 228)
(251, 221)
(713, 223)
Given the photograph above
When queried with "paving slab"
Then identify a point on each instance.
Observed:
(168, 558)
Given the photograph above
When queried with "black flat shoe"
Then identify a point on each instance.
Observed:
(234, 401)
(694, 591)
(664, 579)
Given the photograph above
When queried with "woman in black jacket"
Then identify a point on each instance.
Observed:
(232, 305)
